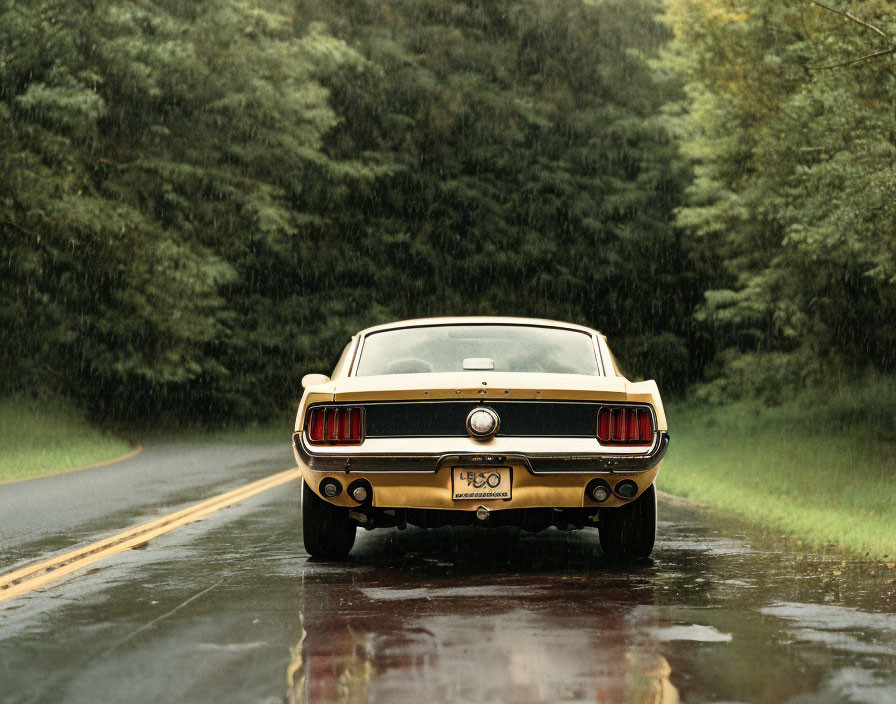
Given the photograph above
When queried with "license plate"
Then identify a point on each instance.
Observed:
(478, 483)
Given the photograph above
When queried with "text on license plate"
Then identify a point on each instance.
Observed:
(481, 482)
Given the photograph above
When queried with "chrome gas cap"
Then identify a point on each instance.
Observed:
(482, 423)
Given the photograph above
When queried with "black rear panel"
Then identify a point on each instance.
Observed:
(448, 418)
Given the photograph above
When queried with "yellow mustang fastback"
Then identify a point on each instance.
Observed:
(486, 421)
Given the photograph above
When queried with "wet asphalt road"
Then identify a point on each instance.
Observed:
(52, 514)
(230, 610)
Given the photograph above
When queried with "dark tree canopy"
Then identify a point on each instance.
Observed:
(791, 121)
(201, 201)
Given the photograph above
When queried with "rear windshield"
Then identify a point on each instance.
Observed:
(510, 348)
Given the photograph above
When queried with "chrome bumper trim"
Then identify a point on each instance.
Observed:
(536, 463)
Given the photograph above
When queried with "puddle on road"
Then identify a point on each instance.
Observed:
(834, 618)
(854, 684)
(715, 617)
(839, 627)
(693, 632)
(454, 615)
(516, 639)
(391, 593)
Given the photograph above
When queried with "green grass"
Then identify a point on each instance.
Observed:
(43, 437)
(821, 468)
(48, 437)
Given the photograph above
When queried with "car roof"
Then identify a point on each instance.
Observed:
(476, 320)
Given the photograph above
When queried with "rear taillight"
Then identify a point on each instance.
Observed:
(335, 425)
(625, 425)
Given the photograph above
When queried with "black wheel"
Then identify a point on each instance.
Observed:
(327, 530)
(627, 533)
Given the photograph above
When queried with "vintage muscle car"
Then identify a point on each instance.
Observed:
(486, 421)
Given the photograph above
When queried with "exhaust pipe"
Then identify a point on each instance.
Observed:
(598, 490)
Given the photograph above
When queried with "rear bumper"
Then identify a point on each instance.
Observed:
(535, 463)
(434, 490)
(424, 481)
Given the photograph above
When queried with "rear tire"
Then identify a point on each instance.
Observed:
(627, 533)
(327, 530)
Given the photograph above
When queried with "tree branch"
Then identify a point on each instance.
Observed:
(805, 28)
(892, 50)
(852, 17)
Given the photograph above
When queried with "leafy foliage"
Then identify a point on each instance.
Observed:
(792, 134)
(147, 147)
(201, 201)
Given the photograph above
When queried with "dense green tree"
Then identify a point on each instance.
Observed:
(532, 172)
(201, 200)
(790, 122)
(147, 147)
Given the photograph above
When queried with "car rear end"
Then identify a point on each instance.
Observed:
(483, 446)
(553, 447)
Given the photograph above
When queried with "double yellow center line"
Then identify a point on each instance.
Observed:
(35, 576)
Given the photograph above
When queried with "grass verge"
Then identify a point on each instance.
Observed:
(49, 437)
(811, 468)
(44, 437)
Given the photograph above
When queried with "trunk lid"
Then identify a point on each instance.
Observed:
(480, 385)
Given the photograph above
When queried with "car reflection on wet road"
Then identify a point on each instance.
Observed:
(229, 609)
(538, 636)
(450, 616)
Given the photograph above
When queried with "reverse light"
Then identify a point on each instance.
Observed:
(625, 425)
(335, 425)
